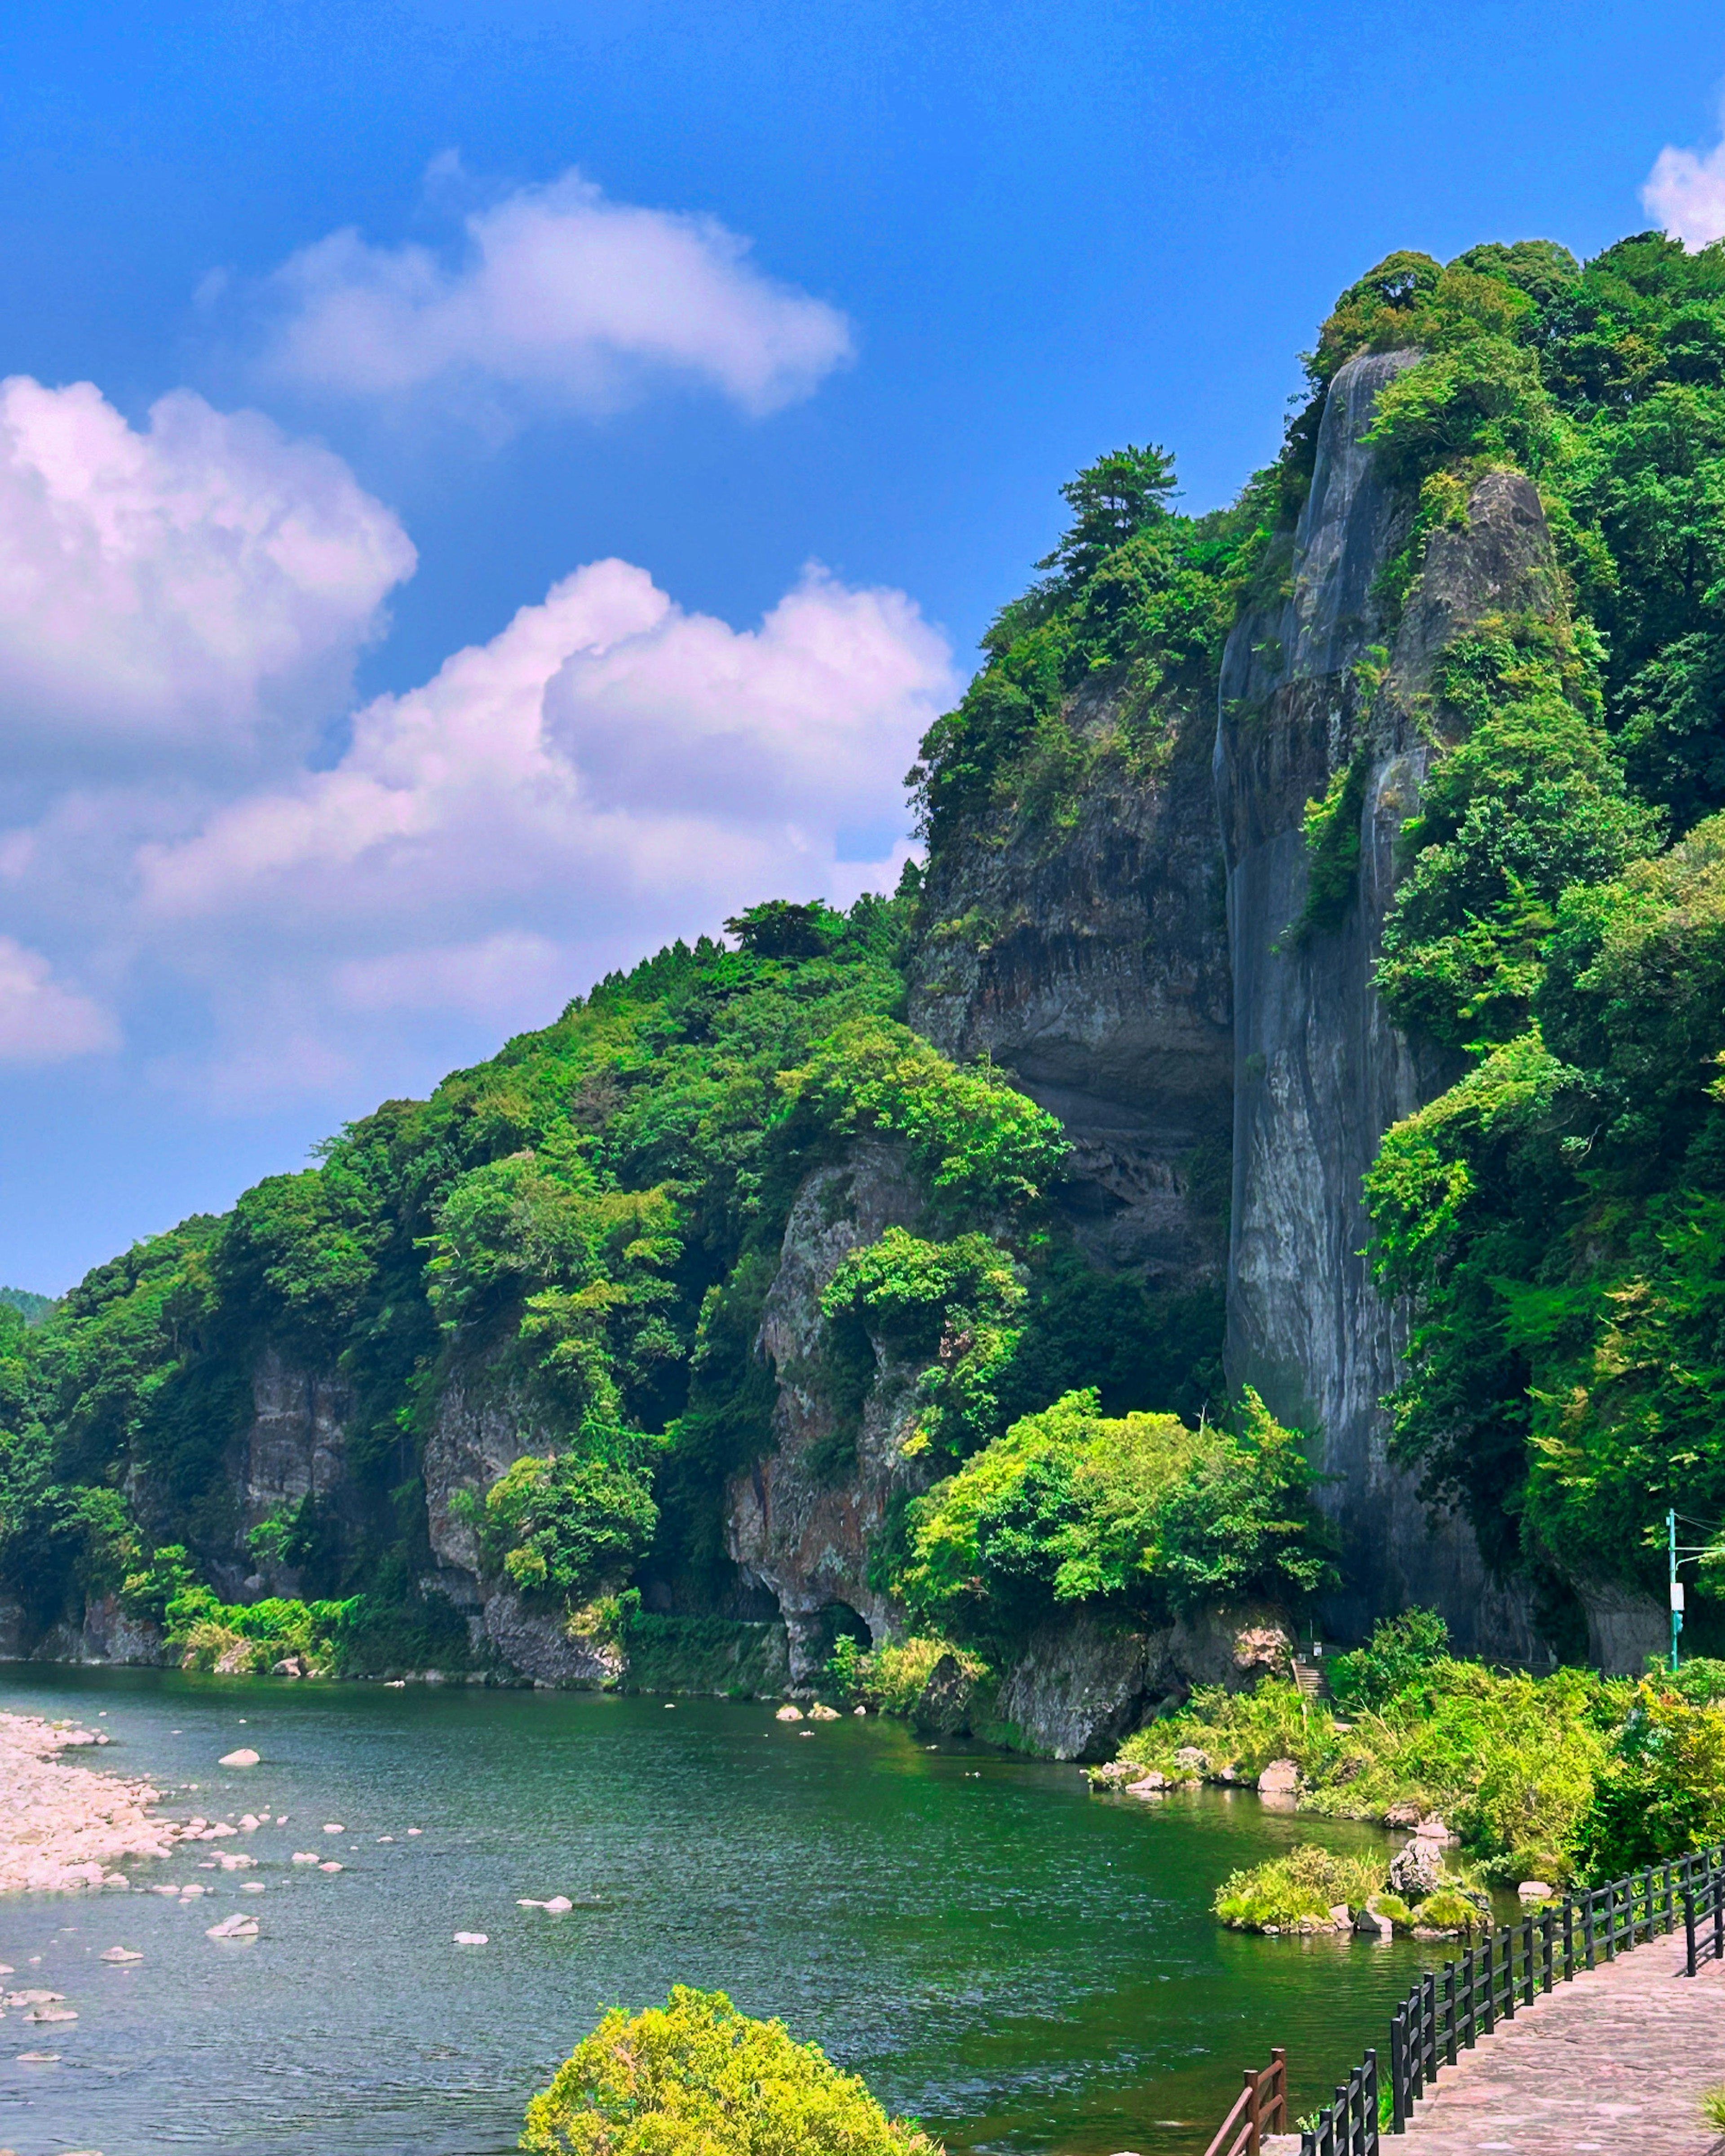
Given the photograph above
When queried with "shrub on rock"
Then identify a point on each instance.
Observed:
(694, 2078)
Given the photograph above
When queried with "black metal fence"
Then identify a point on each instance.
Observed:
(1444, 2014)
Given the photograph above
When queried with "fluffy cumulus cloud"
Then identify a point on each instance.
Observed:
(557, 292)
(1686, 193)
(41, 1020)
(608, 772)
(203, 584)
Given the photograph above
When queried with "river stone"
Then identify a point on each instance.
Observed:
(1147, 1785)
(245, 1757)
(119, 1953)
(1280, 1779)
(472, 1940)
(789, 1713)
(820, 1714)
(559, 1904)
(1535, 1890)
(1372, 1926)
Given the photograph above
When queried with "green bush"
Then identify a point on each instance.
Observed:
(1241, 1732)
(1450, 1910)
(1138, 1513)
(1399, 1649)
(1304, 1885)
(563, 1525)
(694, 2078)
(1662, 1791)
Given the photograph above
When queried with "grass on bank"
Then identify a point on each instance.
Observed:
(1569, 1776)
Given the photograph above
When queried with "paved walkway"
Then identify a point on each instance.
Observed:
(1613, 2061)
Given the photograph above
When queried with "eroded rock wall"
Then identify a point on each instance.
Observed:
(1089, 957)
(1320, 1071)
(801, 1521)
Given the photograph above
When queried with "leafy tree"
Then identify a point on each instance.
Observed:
(1399, 1649)
(1111, 501)
(1140, 1514)
(694, 2078)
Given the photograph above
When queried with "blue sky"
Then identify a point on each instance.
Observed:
(744, 348)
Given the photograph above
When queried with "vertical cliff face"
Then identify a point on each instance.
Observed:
(800, 1523)
(1089, 957)
(1320, 1072)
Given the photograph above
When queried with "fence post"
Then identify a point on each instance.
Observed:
(1368, 2143)
(1428, 2021)
(1450, 2002)
(1568, 1937)
(1670, 1900)
(1545, 1942)
(1587, 1923)
(1689, 1929)
(1279, 2099)
(1528, 1959)
(1719, 1883)
(1398, 2069)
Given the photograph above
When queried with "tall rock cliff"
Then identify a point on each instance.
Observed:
(1320, 1072)
(1089, 956)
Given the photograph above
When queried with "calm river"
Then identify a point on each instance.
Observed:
(1022, 1966)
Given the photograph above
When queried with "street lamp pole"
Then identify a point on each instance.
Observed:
(1671, 1522)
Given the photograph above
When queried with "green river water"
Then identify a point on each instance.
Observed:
(1021, 1965)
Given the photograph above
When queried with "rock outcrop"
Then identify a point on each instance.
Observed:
(1089, 956)
(1321, 1073)
(801, 1521)
(1078, 1687)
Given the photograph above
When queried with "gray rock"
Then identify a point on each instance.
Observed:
(1280, 1779)
(1416, 1869)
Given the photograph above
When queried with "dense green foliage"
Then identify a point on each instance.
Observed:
(31, 1308)
(1298, 1891)
(694, 2078)
(1140, 1516)
(1556, 1777)
(578, 1237)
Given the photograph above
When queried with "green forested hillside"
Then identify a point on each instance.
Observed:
(599, 1209)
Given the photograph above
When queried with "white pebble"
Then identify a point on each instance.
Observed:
(331, 1865)
(335, 1829)
(472, 1940)
(243, 1757)
(305, 1856)
(120, 1953)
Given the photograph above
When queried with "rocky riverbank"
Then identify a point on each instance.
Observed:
(64, 1826)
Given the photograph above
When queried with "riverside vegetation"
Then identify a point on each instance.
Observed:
(596, 1214)
(1569, 1777)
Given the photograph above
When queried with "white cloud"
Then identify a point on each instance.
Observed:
(1686, 193)
(605, 750)
(608, 772)
(41, 1020)
(204, 584)
(559, 294)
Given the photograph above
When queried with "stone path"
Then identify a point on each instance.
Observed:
(1613, 2061)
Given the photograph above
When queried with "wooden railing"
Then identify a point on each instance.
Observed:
(1262, 2108)
(1445, 2015)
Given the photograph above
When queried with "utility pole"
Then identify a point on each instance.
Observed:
(1671, 1522)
